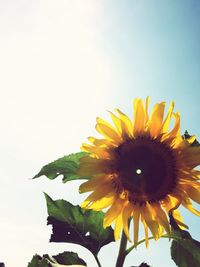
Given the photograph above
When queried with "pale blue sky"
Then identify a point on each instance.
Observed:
(62, 64)
(155, 48)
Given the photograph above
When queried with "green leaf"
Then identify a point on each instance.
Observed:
(69, 258)
(72, 224)
(66, 166)
(185, 251)
(60, 260)
(38, 261)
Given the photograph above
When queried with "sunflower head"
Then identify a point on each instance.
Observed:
(141, 169)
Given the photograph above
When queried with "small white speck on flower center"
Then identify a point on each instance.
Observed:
(138, 171)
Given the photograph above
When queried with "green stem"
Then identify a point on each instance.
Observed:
(123, 252)
(140, 242)
(122, 249)
(97, 260)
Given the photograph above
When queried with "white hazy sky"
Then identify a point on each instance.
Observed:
(62, 63)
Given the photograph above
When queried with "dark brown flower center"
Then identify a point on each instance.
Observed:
(146, 169)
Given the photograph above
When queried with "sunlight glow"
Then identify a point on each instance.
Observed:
(138, 171)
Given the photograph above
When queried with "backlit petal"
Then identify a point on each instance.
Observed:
(103, 203)
(97, 151)
(96, 195)
(136, 218)
(156, 120)
(146, 110)
(118, 227)
(167, 120)
(150, 220)
(108, 132)
(125, 216)
(188, 205)
(101, 142)
(139, 117)
(179, 220)
(113, 212)
(126, 124)
(161, 217)
(117, 122)
(91, 184)
(191, 156)
(194, 193)
(145, 232)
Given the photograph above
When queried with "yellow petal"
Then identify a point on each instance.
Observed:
(121, 127)
(93, 166)
(193, 193)
(96, 195)
(166, 122)
(156, 120)
(113, 212)
(136, 218)
(139, 117)
(126, 124)
(93, 183)
(117, 122)
(146, 213)
(179, 194)
(146, 110)
(195, 174)
(97, 151)
(186, 182)
(179, 219)
(161, 217)
(103, 203)
(191, 156)
(107, 131)
(125, 216)
(170, 203)
(100, 142)
(145, 232)
(175, 131)
(188, 205)
(118, 227)
(175, 141)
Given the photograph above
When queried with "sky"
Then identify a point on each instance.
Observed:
(63, 63)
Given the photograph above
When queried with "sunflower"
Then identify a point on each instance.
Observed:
(141, 170)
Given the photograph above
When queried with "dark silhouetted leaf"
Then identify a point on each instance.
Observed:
(76, 225)
(143, 264)
(185, 251)
(66, 166)
(60, 260)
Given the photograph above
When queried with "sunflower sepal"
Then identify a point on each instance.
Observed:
(191, 139)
